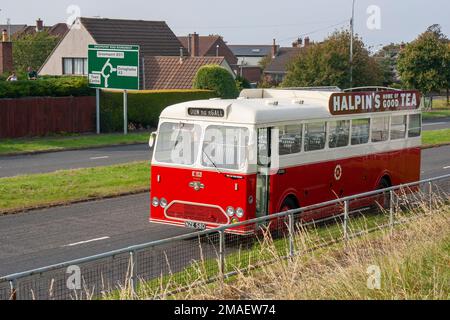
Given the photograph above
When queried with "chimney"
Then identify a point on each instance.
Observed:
(274, 49)
(39, 25)
(298, 43)
(307, 42)
(195, 44)
(5, 37)
(181, 55)
(6, 56)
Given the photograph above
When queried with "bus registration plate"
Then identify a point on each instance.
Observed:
(195, 225)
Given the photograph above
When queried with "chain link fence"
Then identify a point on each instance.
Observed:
(162, 268)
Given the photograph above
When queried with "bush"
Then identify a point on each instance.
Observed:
(144, 107)
(242, 83)
(46, 87)
(217, 79)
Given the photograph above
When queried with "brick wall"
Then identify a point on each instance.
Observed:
(6, 57)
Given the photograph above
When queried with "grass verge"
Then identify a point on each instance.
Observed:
(68, 186)
(436, 137)
(59, 143)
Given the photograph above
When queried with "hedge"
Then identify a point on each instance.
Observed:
(144, 107)
(46, 87)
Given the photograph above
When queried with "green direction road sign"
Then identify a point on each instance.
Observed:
(113, 66)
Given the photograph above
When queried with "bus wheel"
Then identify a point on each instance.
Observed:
(384, 200)
(289, 204)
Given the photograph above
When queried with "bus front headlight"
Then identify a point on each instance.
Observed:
(240, 213)
(230, 211)
(163, 203)
(155, 202)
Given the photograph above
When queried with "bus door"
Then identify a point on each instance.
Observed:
(263, 175)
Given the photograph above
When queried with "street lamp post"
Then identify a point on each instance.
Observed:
(352, 31)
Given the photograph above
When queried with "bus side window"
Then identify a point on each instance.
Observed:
(380, 129)
(291, 139)
(398, 127)
(415, 126)
(360, 131)
(315, 136)
(339, 134)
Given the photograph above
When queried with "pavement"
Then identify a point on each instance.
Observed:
(44, 237)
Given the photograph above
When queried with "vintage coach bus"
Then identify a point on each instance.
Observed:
(220, 162)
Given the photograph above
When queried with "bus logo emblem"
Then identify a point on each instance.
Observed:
(197, 186)
(338, 172)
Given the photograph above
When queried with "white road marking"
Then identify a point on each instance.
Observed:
(99, 158)
(87, 241)
(448, 167)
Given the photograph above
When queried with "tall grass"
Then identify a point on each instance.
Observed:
(414, 263)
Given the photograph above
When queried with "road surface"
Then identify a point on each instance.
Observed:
(437, 124)
(50, 162)
(40, 238)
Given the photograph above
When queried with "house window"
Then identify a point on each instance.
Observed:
(75, 66)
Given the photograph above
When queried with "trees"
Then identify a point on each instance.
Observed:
(218, 79)
(425, 62)
(328, 64)
(31, 50)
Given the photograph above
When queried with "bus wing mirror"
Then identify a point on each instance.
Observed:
(152, 140)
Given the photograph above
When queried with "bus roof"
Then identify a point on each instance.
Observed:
(257, 106)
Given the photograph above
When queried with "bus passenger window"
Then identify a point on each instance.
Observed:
(380, 129)
(398, 127)
(291, 139)
(315, 136)
(360, 131)
(415, 126)
(339, 134)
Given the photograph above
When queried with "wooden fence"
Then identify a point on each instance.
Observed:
(39, 116)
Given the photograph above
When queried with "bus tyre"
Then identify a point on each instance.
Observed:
(288, 204)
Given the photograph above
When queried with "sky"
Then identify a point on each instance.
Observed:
(379, 22)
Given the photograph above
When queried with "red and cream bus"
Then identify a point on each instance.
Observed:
(220, 162)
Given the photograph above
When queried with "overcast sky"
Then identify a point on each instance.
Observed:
(252, 22)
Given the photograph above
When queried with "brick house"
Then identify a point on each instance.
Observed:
(276, 70)
(208, 46)
(58, 30)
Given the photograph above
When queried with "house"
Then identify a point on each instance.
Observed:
(176, 72)
(58, 30)
(69, 57)
(208, 46)
(249, 60)
(276, 70)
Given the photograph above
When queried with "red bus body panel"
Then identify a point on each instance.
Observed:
(309, 184)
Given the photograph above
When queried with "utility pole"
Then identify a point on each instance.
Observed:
(352, 32)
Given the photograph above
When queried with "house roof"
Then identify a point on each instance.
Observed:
(284, 56)
(14, 27)
(251, 50)
(207, 47)
(169, 73)
(58, 30)
(154, 37)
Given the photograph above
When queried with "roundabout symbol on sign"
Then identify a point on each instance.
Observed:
(338, 172)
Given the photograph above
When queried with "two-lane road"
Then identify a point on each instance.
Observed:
(39, 238)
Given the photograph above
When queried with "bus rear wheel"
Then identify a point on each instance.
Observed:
(384, 199)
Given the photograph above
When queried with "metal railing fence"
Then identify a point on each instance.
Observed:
(182, 261)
